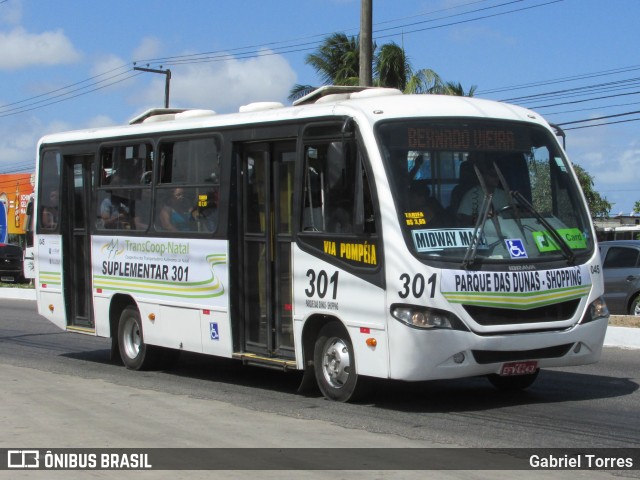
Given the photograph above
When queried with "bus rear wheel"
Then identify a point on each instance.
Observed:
(335, 366)
(513, 384)
(135, 354)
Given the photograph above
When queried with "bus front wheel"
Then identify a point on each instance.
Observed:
(135, 354)
(335, 366)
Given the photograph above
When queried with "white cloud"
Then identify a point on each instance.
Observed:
(624, 168)
(20, 49)
(148, 48)
(100, 121)
(612, 160)
(11, 12)
(111, 71)
(19, 140)
(224, 85)
(105, 64)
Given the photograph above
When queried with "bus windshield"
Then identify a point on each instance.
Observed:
(484, 191)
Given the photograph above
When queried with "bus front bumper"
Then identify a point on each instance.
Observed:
(417, 355)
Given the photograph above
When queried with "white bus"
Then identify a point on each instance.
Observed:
(358, 233)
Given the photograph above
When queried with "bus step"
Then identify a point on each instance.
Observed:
(268, 362)
(77, 329)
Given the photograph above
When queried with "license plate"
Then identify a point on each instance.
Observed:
(519, 368)
(6, 279)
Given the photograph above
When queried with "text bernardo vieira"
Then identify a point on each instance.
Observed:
(580, 461)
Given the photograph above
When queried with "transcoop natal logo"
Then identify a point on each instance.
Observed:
(112, 248)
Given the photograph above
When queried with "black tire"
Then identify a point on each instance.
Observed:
(135, 354)
(634, 308)
(514, 383)
(335, 366)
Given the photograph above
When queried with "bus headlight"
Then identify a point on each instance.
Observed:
(423, 317)
(597, 310)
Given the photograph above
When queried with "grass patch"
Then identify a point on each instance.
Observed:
(624, 321)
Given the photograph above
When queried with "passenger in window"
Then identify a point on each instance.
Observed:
(175, 215)
(114, 210)
(472, 201)
(420, 200)
(50, 211)
(417, 172)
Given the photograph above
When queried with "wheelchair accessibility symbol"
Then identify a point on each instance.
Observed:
(516, 248)
(213, 328)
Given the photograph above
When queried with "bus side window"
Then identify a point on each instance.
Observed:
(49, 219)
(336, 193)
(312, 211)
(189, 184)
(48, 214)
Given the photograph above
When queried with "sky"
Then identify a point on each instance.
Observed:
(68, 64)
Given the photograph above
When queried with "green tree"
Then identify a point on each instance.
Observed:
(337, 59)
(598, 206)
(392, 69)
(457, 89)
(337, 63)
(636, 207)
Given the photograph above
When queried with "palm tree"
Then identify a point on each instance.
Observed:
(393, 69)
(337, 60)
(457, 89)
(337, 63)
(426, 81)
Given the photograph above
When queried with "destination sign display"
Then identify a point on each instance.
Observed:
(467, 138)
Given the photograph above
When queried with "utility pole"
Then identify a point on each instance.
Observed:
(166, 72)
(366, 42)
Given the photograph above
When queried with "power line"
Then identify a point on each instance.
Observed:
(562, 79)
(599, 118)
(602, 124)
(582, 90)
(90, 85)
(588, 99)
(67, 96)
(255, 49)
(33, 103)
(253, 52)
(602, 107)
(474, 19)
(67, 87)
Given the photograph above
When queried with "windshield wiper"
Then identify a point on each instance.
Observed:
(562, 244)
(506, 188)
(478, 229)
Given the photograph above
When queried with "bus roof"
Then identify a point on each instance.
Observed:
(369, 105)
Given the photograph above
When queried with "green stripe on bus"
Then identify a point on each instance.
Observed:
(523, 301)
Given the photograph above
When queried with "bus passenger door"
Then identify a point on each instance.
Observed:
(76, 240)
(268, 174)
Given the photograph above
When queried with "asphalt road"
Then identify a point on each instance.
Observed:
(60, 390)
